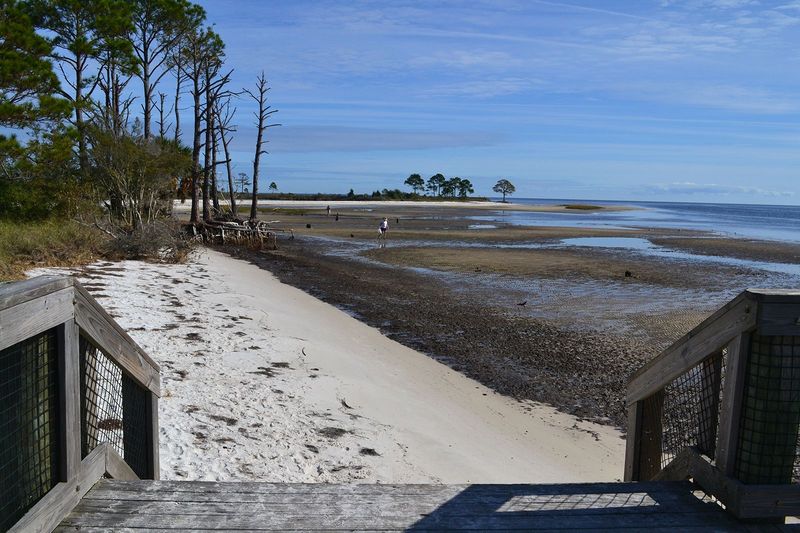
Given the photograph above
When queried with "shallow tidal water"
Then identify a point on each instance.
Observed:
(651, 312)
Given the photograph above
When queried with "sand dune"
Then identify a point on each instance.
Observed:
(264, 382)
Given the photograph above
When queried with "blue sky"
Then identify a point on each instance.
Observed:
(691, 100)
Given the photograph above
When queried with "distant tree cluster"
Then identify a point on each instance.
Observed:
(439, 186)
(106, 133)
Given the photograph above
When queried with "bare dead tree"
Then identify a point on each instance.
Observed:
(198, 47)
(180, 75)
(214, 163)
(114, 75)
(224, 117)
(263, 114)
(163, 126)
(214, 89)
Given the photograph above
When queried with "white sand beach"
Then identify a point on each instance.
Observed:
(262, 381)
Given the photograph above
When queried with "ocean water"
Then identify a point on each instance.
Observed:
(769, 222)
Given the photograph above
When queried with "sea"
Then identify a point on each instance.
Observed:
(765, 222)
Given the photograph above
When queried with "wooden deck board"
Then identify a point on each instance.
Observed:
(195, 506)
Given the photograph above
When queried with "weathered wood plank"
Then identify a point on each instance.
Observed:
(757, 501)
(56, 504)
(388, 505)
(31, 317)
(117, 468)
(713, 333)
(69, 400)
(650, 436)
(652, 529)
(677, 469)
(712, 480)
(711, 379)
(155, 505)
(529, 521)
(114, 341)
(779, 318)
(230, 487)
(633, 442)
(727, 436)
(17, 292)
(173, 500)
(774, 295)
(154, 461)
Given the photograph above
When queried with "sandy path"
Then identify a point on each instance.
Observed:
(264, 382)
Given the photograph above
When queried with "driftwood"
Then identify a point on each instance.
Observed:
(243, 232)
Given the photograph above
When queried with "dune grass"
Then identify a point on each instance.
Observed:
(53, 242)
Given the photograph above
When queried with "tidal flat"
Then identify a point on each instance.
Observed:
(560, 315)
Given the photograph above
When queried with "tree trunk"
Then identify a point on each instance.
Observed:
(195, 217)
(207, 151)
(83, 154)
(231, 191)
(214, 195)
(148, 96)
(256, 161)
(178, 80)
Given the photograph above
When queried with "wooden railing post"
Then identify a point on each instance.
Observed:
(711, 379)
(768, 427)
(69, 400)
(652, 427)
(730, 411)
(152, 437)
(59, 309)
(633, 442)
(644, 443)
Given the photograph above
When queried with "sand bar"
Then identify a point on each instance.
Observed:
(264, 382)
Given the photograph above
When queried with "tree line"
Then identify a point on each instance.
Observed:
(439, 186)
(90, 119)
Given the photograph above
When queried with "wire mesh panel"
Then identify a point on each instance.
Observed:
(685, 413)
(768, 431)
(136, 427)
(28, 424)
(113, 409)
(101, 400)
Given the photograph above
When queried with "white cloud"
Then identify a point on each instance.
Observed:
(482, 88)
(467, 59)
(325, 138)
(691, 188)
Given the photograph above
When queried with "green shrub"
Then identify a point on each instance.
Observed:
(46, 243)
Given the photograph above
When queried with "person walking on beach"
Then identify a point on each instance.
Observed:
(384, 228)
(328, 211)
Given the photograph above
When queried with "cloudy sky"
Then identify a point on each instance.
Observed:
(690, 100)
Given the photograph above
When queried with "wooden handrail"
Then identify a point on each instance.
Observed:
(744, 330)
(711, 335)
(32, 307)
(771, 311)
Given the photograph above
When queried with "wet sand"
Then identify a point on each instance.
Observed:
(560, 325)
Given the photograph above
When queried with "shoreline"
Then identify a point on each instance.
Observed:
(512, 307)
(179, 207)
(265, 382)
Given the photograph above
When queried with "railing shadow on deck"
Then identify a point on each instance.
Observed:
(585, 506)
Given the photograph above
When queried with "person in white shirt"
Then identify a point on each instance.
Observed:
(384, 227)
